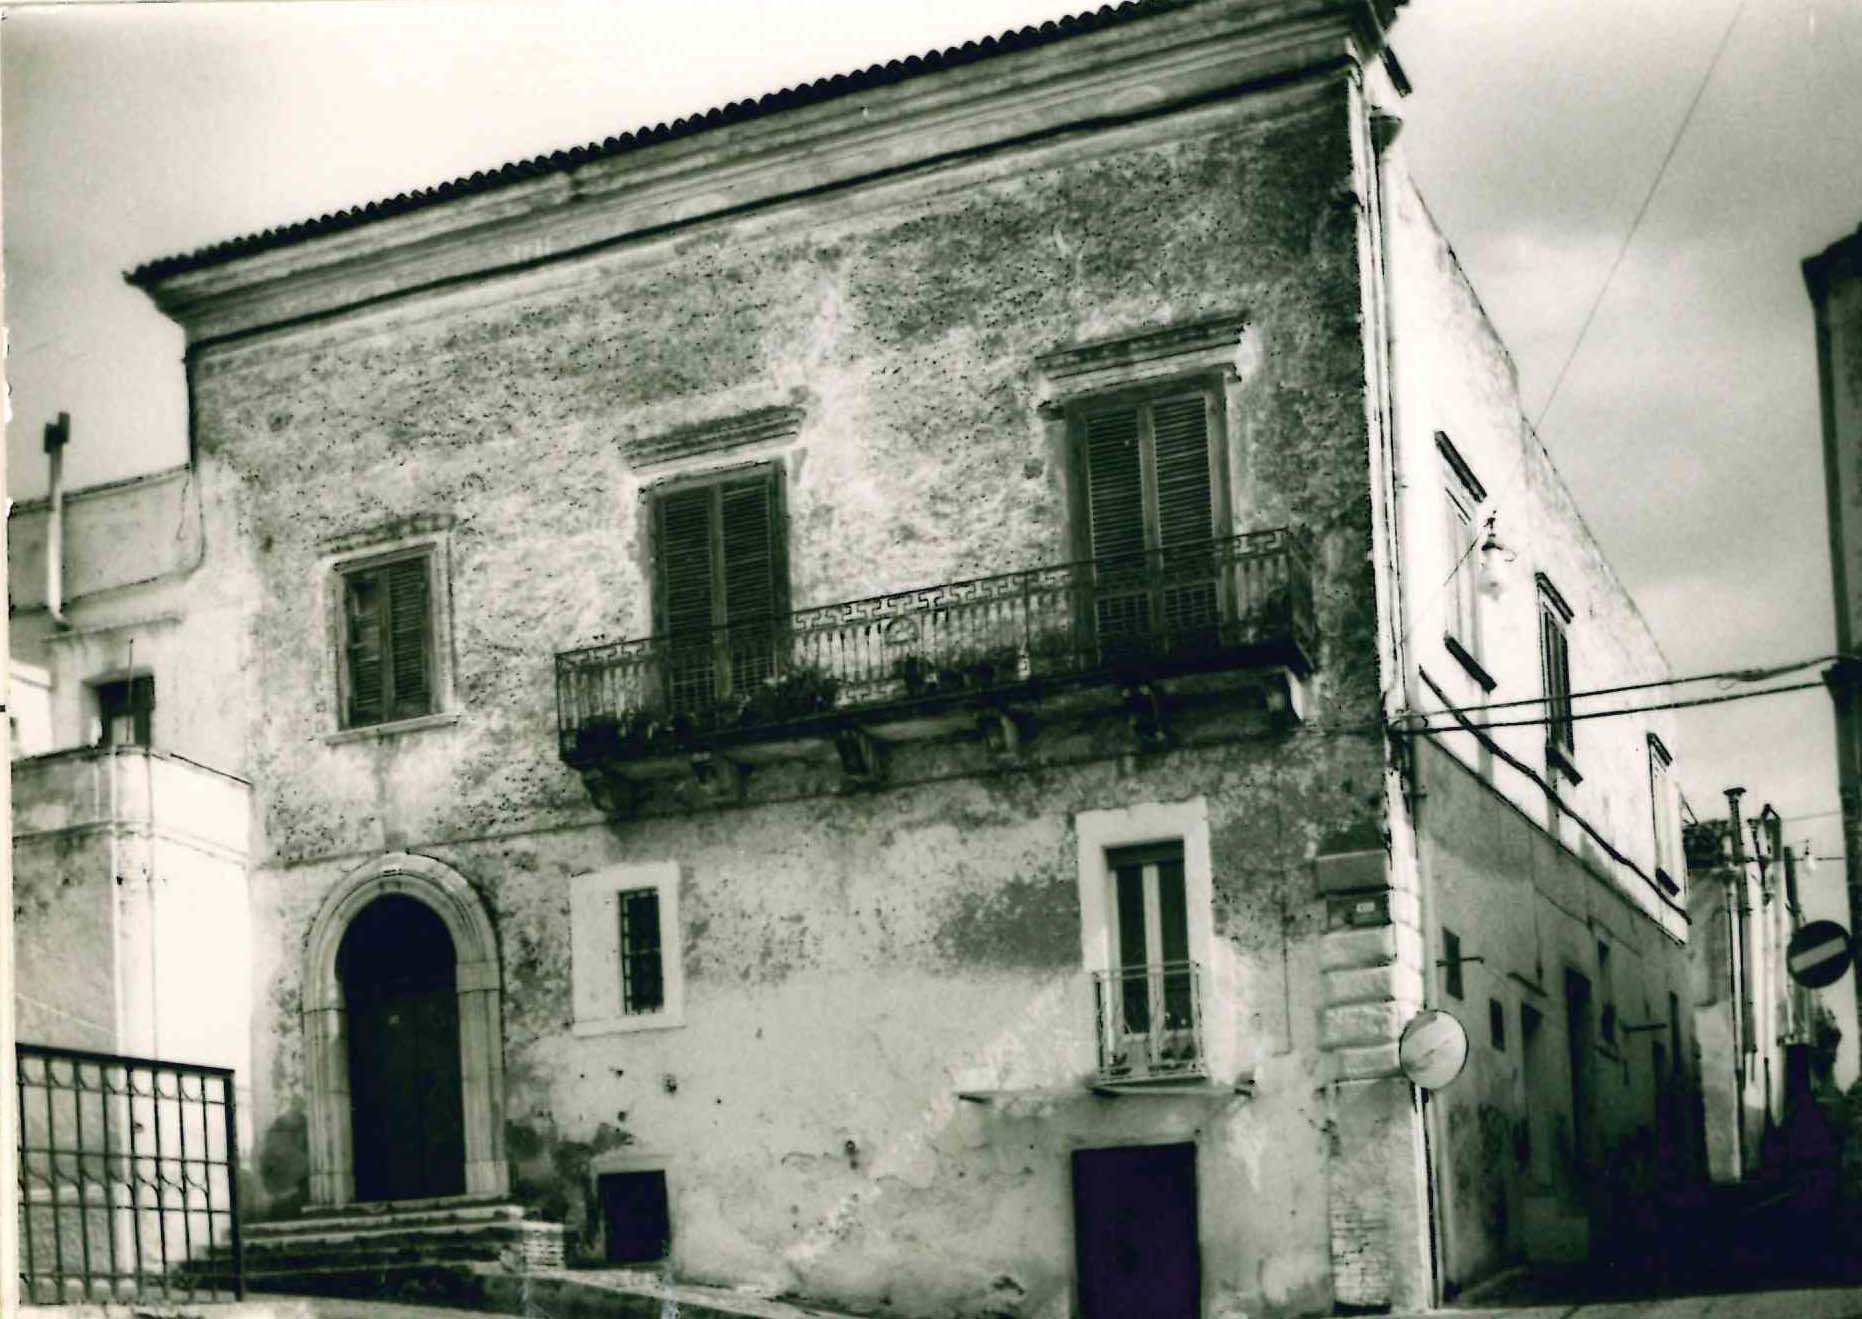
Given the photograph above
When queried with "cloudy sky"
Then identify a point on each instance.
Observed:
(1687, 425)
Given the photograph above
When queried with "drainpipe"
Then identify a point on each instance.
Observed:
(57, 435)
(1736, 967)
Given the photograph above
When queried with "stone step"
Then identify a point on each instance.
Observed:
(561, 1294)
(352, 1217)
(282, 1252)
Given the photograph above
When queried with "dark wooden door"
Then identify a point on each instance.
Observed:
(1580, 1043)
(1134, 1212)
(406, 1118)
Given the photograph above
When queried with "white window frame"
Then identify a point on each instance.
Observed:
(1101, 832)
(1665, 810)
(1461, 528)
(595, 948)
(1462, 498)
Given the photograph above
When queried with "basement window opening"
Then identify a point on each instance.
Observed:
(636, 1224)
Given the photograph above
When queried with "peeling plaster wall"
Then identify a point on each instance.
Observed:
(146, 589)
(1527, 890)
(851, 961)
(1530, 910)
(130, 906)
(1471, 394)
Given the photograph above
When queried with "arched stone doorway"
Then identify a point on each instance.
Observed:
(405, 1118)
(404, 937)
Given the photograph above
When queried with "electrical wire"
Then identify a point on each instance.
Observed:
(1506, 487)
(1590, 714)
(1642, 212)
(1725, 675)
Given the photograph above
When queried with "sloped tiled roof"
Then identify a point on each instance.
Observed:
(736, 112)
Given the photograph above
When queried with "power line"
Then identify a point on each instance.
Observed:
(1641, 212)
(1732, 675)
(1592, 714)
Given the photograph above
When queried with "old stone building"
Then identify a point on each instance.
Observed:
(884, 694)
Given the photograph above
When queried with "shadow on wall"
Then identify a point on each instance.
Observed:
(283, 1167)
(550, 1178)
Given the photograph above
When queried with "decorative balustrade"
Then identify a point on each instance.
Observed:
(1150, 1022)
(1211, 604)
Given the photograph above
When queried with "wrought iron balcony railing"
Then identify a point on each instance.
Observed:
(1206, 605)
(1150, 1022)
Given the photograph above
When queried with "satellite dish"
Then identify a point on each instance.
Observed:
(1433, 1049)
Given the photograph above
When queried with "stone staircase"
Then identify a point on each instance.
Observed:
(407, 1250)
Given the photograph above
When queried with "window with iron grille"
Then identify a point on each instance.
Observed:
(721, 582)
(1151, 934)
(643, 986)
(126, 712)
(625, 947)
(387, 641)
(1153, 497)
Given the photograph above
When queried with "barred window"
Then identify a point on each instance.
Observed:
(642, 977)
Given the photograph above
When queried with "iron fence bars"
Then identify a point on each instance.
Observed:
(128, 1179)
(1233, 600)
(1149, 1020)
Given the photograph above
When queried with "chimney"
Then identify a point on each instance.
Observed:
(1732, 813)
(57, 435)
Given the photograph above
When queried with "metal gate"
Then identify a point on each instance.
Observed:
(128, 1179)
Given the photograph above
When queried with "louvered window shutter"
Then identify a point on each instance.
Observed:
(409, 636)
(747, 525)
(1185, 518)
(365, 608)
(1150, 503)
(685, 570)
(389, 632)
(686, 596)
(1180, 438)
(1116, 523)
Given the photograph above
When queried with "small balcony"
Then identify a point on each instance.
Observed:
(1150, 1023)
(894, 663)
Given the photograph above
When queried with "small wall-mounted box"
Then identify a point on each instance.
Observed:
(1352, 911)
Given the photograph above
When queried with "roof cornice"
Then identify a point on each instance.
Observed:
(1839, 259)
(1181, 54)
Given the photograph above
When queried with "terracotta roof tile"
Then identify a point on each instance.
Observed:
(736, 112)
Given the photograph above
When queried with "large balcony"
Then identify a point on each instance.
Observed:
(900, 661)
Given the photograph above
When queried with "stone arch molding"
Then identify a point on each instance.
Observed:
(326, 1037)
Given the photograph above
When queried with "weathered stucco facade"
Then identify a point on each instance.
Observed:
(880, 1055)
(1569, 962)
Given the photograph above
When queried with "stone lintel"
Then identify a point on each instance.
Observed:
(763, 426)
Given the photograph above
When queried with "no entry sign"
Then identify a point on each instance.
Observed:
(1819, 954)
(1433, 1049)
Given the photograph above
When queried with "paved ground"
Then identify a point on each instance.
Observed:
(1817, 1303)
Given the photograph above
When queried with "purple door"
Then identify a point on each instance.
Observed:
(1134, 1211)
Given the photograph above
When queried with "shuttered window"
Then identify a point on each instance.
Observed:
(722, 574)
(388, 632)
(1150, 504)
(1555, 657)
